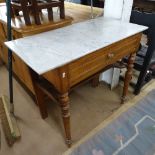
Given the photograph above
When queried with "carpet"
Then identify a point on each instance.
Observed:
(132, 132)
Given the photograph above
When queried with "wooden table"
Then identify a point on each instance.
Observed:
(63, 58)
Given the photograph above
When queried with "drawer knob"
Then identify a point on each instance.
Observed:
(110, 55)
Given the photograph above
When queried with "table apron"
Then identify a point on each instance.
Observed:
(69, 75)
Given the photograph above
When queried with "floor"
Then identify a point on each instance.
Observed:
(118, 132)
(89, 107)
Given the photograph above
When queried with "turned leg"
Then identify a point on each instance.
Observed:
(64, 103)
(128, 76)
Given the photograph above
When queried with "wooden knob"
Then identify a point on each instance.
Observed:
(110, 55)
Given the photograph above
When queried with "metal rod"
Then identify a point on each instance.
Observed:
(9, 37)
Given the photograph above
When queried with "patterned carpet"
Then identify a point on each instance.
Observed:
(131, 133)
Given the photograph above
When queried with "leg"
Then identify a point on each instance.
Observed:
(64, 103)
(50, 14)
(12, 12)
(39, 96)
(62, 10)
(36, 12)
(128, 76)
(17, 12)
(95, 81)
(25, 12)
(140, 81)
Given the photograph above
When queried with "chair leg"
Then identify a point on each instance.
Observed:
(62, 10)
(50, 14)
(25, 12)
(36, 12)
(17, 12)
(12, 13)
(140, 81)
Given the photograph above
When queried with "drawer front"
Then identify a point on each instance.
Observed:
(118, 51)
(96, 61)
(87, 66)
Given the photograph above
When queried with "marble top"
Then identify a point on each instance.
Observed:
(49, 50)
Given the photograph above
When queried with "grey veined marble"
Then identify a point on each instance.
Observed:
(52, 49)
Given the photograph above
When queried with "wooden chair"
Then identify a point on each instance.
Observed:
(35, 7)
(24, 6)
(144, 60)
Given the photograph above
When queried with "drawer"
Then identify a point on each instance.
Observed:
(117, 51)
(98, 60)
(87, 66)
